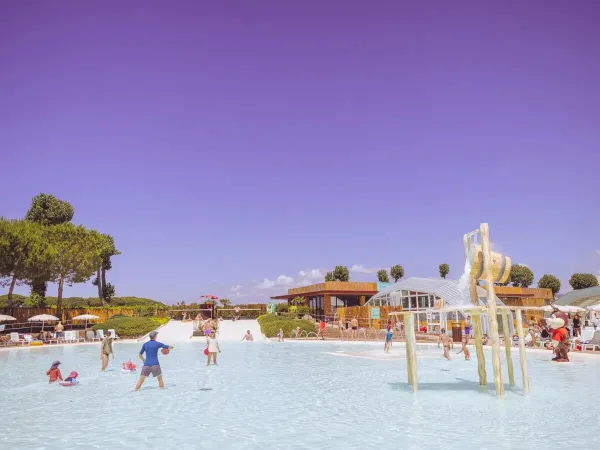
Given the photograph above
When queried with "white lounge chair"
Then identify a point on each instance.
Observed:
(77, 336)
(594, 342)
(112, 334)
(29, 339)
(90, 336)
(15, 339)
(100, 334)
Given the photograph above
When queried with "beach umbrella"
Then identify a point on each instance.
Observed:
(43, 318)
(594, 308)
(86, 317)
(4, 317)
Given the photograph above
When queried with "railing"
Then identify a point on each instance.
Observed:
(230, 312)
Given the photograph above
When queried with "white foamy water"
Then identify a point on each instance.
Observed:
(293, 396)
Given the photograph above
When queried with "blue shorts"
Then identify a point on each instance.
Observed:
(467, 331)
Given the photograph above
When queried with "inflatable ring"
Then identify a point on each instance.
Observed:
(67, 383)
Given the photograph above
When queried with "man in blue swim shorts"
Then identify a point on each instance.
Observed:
(151, 364)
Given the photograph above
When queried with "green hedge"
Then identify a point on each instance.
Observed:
(80, 302)
(270, 325)
(131, 326)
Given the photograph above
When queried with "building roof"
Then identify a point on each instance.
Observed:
(331, 288)
(581, 297)
(449, 290)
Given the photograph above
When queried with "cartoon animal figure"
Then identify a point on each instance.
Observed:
(559, 335)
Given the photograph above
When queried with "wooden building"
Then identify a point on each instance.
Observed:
(324, 298)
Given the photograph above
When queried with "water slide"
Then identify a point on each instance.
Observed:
(176, 331)
(234, 331)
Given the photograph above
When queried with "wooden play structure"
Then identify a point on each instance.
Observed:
(490, 267)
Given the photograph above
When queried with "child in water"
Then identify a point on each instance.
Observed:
(280, 335)
(54, 372)
(129, 366)
(388, 340)
(464, 348)
(72, 378)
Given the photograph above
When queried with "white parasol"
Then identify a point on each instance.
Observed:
(86, 317)
(4, 317)
(594, 308)
(43, 318)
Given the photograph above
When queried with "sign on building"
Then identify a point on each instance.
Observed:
(375, 313)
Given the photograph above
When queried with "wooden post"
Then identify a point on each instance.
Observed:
(523, 359)
(507, 344)
(411, 351)
(476, 323)
(491, 304)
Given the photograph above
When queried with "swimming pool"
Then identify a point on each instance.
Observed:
(293, 395)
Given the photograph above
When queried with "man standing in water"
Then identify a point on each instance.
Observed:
(106, 350)
(151, 364)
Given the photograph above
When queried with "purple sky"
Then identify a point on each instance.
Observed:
(225, 143)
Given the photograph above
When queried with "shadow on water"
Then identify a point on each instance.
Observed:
(205, 389)
(460, 385)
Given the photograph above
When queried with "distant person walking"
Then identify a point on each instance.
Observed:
(106, 350)
(212, 344)
(464, 348)
(321, 332)
(280, 335)
(388, 340)
(446, 342)
(236, 313)
(354, 327)
(577, 325)
(58, 329)
(151, 364)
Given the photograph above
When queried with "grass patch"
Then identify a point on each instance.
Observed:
(131, 326)
(270, 325)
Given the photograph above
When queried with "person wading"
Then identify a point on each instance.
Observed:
(151, 364)
(105, 351)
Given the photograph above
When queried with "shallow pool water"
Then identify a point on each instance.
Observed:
(294, 395)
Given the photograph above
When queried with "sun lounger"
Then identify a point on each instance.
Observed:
(29, 339)
(112, 334)
(100, 334)
(594, 342)
(90, 336)
(77, 336)
(15, 339)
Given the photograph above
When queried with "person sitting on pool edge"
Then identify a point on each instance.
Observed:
(151, 364)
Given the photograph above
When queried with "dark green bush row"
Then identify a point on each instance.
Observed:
(270, 325)
(284, 308)
(131, 326)
(80, 302)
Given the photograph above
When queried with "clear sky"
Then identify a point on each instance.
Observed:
(228, 146)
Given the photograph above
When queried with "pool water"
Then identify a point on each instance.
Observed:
(294, 395)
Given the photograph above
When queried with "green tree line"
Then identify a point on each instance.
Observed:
(46, 247)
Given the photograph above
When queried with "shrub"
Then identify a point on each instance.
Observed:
(282, 307)
(131, 326)
(270, 325)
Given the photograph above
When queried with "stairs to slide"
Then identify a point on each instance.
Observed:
(176, 331)
(234, 331)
